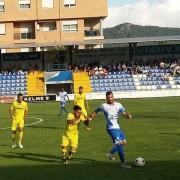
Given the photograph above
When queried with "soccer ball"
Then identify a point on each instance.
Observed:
(140, 162)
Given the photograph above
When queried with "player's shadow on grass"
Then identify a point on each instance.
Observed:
(32, 157)
(103, 170)
(176, 134)
(43, 157)
(44, 127)
(161, 116)
(41, 114)
(48, 114)
(3, 145)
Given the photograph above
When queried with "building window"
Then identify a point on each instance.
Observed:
(1, 6)
(48, 26)
(2, 29)
(25, 4)
(47, 3)
(26, 32)
(69, 3)
(3, 51)
(26, 49)
(70, 26)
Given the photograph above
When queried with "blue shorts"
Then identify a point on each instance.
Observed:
(117, 135)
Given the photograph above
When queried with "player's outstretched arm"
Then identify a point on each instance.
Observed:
(75, 99)
(25, 114)
(87, 104)
(92, 116)
(11, 113)
(127, 115)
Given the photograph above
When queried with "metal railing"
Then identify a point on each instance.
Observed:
(91, 33)
(19, 36)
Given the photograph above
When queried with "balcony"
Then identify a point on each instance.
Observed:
(24, 36)
(92, 34)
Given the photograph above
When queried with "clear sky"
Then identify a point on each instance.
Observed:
(164, 13)
(118, 2)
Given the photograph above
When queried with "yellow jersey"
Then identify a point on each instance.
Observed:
(73, 127)
(79, 100)
(19, 110)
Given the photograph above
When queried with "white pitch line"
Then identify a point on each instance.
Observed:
(29, 124)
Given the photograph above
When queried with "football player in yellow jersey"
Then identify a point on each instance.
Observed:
(18, 113)
(80, 100)
(70, 135)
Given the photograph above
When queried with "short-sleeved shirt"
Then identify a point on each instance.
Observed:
(112, 113)
(19, 110)
(79, 100)
(73, 127)
(63, 96)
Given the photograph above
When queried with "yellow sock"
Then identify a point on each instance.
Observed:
(63, 152)
(13, 137)
(20, 136)
(72, 151)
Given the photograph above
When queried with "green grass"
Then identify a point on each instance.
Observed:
(154, 134)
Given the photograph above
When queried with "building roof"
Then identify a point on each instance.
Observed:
(92, 42)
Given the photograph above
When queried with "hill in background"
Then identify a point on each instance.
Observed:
(128, 30)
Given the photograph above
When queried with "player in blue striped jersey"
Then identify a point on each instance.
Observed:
(112, 110)
(63, 98)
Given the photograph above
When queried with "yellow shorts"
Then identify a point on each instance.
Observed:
(70, 139)
(17, 124)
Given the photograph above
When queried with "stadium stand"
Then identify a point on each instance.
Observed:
(156, 80)
(177, 81)
(149, 79)
(116, 81)
(82, 79)
(95, 78)
(35, 83)
(11, 83)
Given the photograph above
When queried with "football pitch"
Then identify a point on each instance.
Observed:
(154, 134)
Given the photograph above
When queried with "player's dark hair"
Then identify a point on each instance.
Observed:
(80, 87)
(19, 94)
(108, 93)
(76, 108)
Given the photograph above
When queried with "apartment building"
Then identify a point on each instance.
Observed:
(50, 21)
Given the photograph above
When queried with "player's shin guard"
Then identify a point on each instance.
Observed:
(13, 137)
(120, 152)
(63, 152)
(72, 151)
(20, 136)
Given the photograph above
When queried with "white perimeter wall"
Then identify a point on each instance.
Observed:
(133, 94)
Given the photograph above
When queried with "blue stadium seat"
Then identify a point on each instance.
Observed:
(10, 82)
